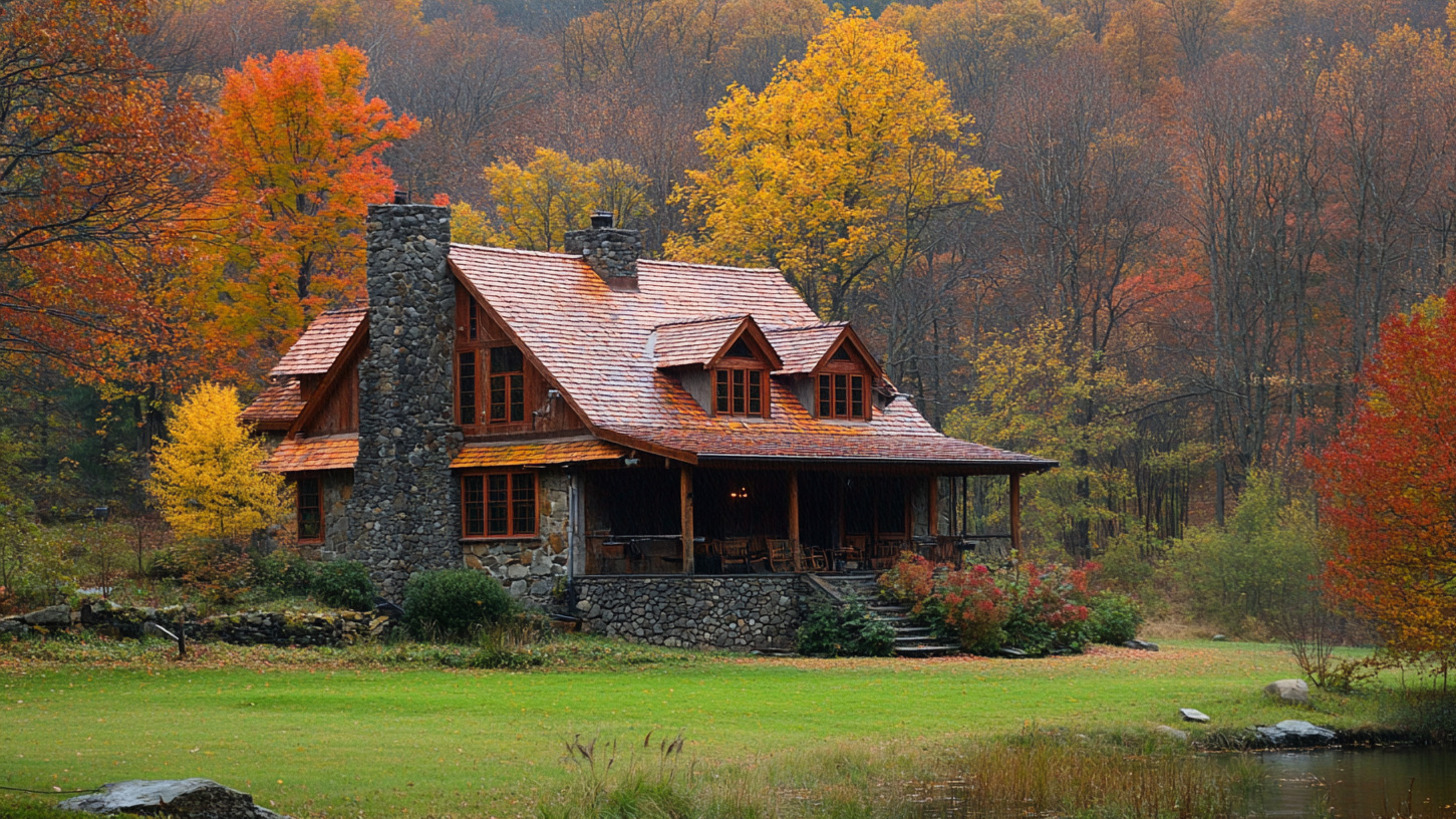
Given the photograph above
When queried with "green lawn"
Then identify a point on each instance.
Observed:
(379, 742)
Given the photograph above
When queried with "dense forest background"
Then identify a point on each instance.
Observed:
(1202, 210)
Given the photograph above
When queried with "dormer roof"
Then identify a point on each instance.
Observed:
(806, 349)
(703, 342)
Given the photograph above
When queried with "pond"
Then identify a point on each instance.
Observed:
(1408, 782)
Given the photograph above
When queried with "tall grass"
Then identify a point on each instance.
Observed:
(1033, 774)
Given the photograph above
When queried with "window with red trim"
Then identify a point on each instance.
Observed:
(498, 504)
(739, 391)
(310, 509)
(490, 386)
(843, 396)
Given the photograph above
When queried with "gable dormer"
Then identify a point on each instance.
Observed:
(723, 362)
(832, 372)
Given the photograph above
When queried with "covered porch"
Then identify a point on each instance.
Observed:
(743, 517)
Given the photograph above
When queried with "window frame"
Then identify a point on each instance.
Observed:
(738, 385)
(318, 507)
(511, 504)
(840, 373)
(477, 349)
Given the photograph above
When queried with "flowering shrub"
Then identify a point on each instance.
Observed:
(1036, 608)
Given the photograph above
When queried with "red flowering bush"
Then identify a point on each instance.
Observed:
(1036, 608)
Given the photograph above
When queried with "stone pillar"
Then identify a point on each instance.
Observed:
(405, 506)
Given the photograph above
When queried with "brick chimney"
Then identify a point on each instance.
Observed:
(611, 252)
(403, 509)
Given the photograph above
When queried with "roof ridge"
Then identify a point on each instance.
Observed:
(705, 320)
(823, 325)
(519, 251)
(673, 263)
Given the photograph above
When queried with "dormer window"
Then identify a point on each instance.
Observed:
(842, 385)
(739, 391)
(722, 362)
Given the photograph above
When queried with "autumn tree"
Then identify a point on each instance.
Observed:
(1386, 485)
(299, 141)
(98, 159)
(836, 171)
(537, 203)
(206, 480)
(1030, 395)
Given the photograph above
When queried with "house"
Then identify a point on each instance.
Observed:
(668, 450)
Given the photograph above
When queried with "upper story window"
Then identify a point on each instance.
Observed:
(490, 373)
(843, 387)
(740, 383)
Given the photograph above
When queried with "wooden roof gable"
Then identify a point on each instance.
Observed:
(808, 349)
(705, 341)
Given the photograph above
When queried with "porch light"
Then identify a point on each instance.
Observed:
(741, 493)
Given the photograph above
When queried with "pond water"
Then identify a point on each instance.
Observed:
(1356, 784)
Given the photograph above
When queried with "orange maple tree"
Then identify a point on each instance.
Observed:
(1386, 485)
(298, 141)
(98, 160)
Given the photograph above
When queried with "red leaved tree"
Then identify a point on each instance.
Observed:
(1388, 486)
(299, 141)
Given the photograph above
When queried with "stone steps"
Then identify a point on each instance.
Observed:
(911, 639)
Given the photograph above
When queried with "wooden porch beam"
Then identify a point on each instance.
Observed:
(1016, 512)
(794, 519)
(685, 492)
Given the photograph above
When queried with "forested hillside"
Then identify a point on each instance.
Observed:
(1153, 239)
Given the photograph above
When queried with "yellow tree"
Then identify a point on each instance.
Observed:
(536, 204)
(205, 478)
(837, 171)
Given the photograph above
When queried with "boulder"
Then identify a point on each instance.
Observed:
(183, 798)
(1295, 732)
(1171, 732)
(1296, 691)
(1192, 715)
(1014, 653)
(1140, 645)
(50, 617)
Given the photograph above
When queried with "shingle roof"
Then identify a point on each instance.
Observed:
(803, 348)
(593, 342)
(275, 407)
(479, 455)
(694, 341)
(321, 343)
(314, 454)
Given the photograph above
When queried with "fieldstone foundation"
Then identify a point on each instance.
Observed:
(405, 504)
(743, 612)
(531, 569)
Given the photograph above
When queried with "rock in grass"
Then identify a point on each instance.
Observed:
(1219, 638)
(1014, 653)
(1140, 645)
(1192, 715)
(50, 616)
(184, 798)
(1296, 691)
(1171, 732)
(1295, 732)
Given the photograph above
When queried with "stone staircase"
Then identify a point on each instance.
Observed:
(910, 640)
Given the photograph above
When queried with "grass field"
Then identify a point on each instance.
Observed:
(310, 735)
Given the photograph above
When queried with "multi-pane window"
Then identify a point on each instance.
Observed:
(498, 504)
(842, 395)
(507, 385)
(492, 386)
(310, 509)
(739, 392)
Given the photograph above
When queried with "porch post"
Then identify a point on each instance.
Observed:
(1016, 512)
(685, 491)
(794, 519)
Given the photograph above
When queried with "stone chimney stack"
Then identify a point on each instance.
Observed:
(611, 252)
(403, 508)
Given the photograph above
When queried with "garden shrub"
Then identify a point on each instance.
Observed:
(845, 630)
(1115, 618)
(167, 564)
(453, 603)
(283, 572)
(345, 584)
(1031, 607)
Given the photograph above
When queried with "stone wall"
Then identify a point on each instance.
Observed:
(530, 568)
(337, 487)
(741, 612)
(291, 628)
(404, 510)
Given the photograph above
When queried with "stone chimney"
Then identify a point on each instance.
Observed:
(403, 511)
(611, 252)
